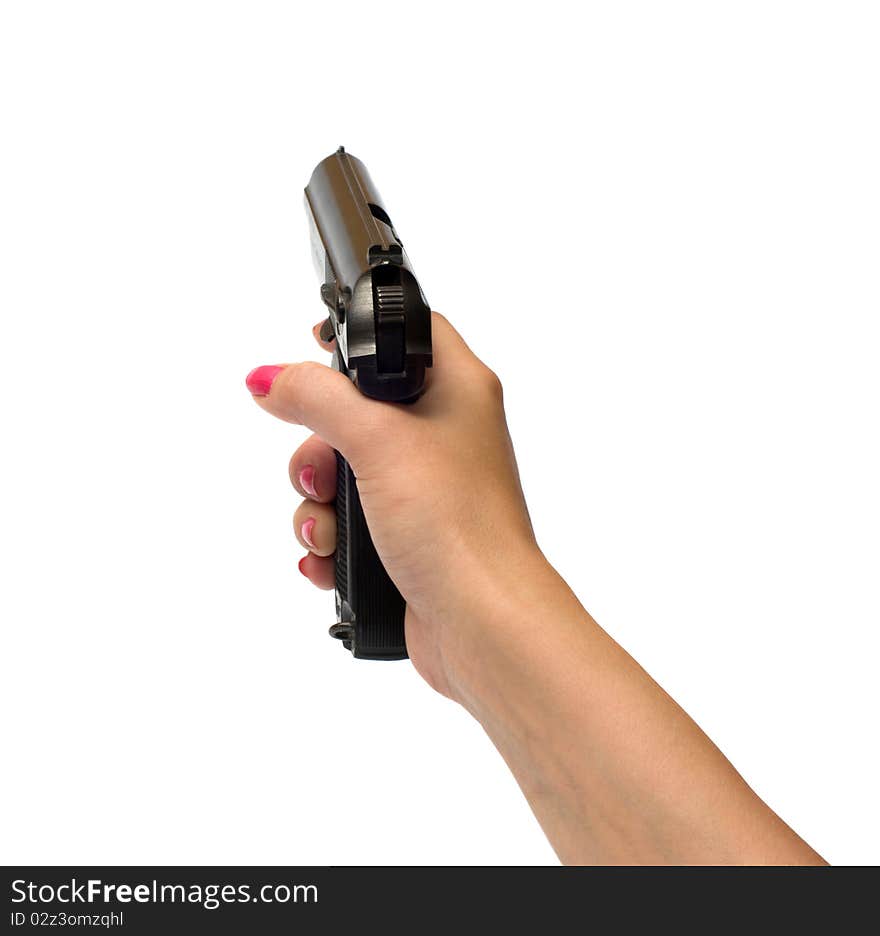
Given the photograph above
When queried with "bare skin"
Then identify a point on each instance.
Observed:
(615, 771)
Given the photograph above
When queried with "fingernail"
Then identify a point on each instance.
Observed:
(307, 480)
(259, 381)
(300, 565)
(306, 532)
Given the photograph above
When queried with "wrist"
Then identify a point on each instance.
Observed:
(518, 614)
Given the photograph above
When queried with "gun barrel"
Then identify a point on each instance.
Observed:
(380, 318)
(350, 219)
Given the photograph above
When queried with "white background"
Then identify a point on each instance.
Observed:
(657, 222)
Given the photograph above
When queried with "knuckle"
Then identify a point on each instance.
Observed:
(307, 370)
(492, 383)
(300, 374)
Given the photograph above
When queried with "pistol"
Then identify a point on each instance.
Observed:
(382, 326)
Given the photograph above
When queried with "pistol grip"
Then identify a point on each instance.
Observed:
(369, 608)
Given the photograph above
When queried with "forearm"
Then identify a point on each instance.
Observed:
(614, 769)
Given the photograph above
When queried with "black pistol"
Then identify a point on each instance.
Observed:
(382, 326)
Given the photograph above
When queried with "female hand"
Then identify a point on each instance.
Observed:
(439, 487)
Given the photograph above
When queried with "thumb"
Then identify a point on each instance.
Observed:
(319, 397)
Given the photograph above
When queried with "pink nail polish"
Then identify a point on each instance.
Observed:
(300, 565)
(259, 381)
(307, 480)
(306, 532)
